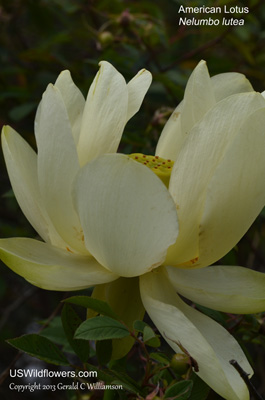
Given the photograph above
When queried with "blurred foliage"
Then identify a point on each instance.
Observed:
(40, 38)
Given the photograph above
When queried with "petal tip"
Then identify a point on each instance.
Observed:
(145, 72)
(5, 130)
(6, 134)
(65, 74)
(103, 62)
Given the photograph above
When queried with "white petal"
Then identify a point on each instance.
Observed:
(229, 289)
(229, 83)
(105, 114)
(51, 268)
(74, 101)
(197, 102)
(128, 216)
(204, 149)
(137, 88)
(205, 340)
(57, 166)
(198, 97)
(171, 138)
(236, 192)
(21, 163)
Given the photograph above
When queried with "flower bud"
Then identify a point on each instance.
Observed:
(125, 18)
(105, 38)
(180, 363)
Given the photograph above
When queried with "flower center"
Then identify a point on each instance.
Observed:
(160, 166)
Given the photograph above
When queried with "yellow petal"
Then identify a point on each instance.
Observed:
(229, 289)
(204, 339)
(21, 163)
(104, 114)
(204, 149)
(128, 216)
(230, 83)
(57, 167)
(137, 88)
(235, 194)
(51, 268)
(171, 138)
(198, 98)
(74, 101)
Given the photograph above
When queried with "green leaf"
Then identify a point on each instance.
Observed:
(160, 358)
(71, 321)
(200, 389)
(104, 351)
(101, 375)
(127, 383)
(69, 6)
(118, 368)
(180, 390)
(54, 331)
(40, 347)
(139, 326)
(101, 328)
(116, 378)
(19, 112)
(110, 394)
(150, 338)
(101, 307)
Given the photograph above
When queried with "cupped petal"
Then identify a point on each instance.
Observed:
(128, 216)
(235, 194)
(57, 166)
(171, 138)
(123, 296)
(204, 149)
(74, 101)
(105, 114)
(137, 88)
(198, 99)
(229, 289)
(206, 341)
(229, 83)
(52, 268)
(197, 103)
(21, 163)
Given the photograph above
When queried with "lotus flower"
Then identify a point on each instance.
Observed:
(144, 229)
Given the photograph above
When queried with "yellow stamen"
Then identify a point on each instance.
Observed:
(160, 166)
